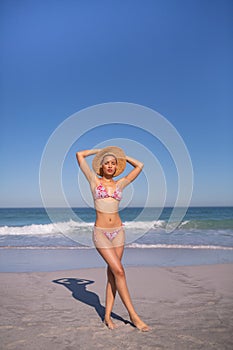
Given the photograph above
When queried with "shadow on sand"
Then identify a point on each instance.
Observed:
(78, 288)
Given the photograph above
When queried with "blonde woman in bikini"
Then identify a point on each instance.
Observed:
(108, 233)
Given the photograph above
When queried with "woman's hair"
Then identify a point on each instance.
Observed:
(107, 155)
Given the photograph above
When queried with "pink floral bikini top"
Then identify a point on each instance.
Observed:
(101, 193)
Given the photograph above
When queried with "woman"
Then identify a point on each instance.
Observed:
(108, 233)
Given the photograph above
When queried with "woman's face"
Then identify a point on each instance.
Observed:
(109, 165)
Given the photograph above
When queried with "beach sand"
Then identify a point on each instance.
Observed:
(188, 307)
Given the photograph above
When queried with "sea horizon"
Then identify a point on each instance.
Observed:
(136, 206)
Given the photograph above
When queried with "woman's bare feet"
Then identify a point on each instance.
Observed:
(108, 322)
(139, 324)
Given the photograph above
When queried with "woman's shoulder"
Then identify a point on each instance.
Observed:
(122, 182)
(95, 181)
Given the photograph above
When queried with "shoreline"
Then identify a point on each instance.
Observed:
(187, 307)
(45, 260)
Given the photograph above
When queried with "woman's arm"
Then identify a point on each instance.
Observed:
(138, 166)
(81, 155)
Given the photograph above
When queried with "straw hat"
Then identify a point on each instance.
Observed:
(110, 150)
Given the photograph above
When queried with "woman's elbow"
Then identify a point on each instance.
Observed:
(141, 165)
(78, 157)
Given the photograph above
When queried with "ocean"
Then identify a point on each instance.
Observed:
(32, 228)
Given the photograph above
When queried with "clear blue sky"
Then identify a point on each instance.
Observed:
(58, 57)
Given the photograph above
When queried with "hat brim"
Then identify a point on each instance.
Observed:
(111, 150)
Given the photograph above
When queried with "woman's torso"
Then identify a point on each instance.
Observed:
(107, 198)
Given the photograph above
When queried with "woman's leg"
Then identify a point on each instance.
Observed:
(114, 263)
(111, 291)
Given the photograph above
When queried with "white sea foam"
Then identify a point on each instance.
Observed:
(45, 229)
(177, 246)
(136, 226)
(139, 234)
(146, 225)
(130, 246)
(55, 228)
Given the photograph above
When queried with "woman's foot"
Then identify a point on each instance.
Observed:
(108, 322)
(139, 324)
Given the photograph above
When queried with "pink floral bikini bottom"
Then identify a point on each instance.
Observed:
(108, 237)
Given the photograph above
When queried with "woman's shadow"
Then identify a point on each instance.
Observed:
(78, 288)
